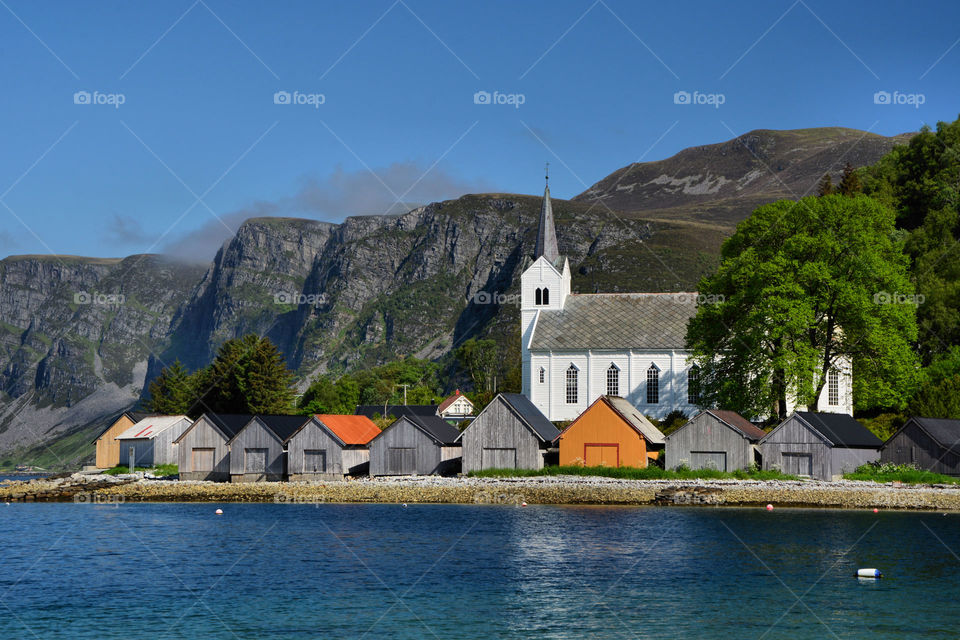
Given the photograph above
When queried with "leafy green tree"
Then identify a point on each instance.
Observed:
(938, 399)
(479, 358)
(801, 288)
(248, 375)
(171, 393)
(921, 182)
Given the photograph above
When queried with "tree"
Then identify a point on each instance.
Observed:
(248, 375)
(171, 393)
(938, 399)
(849, 182)
(479, 358)
(825, 187)
(802, 288)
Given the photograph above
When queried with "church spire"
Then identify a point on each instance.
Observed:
(547, 233)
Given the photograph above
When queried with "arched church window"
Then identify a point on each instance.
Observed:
(653, 385)
(538, 297)
(613, 380)
(833, 388)
(572, 375)
(693, 385)
(546, 296)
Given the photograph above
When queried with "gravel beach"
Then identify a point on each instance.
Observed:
(573, 490)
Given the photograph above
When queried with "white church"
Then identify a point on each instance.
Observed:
(577, 347)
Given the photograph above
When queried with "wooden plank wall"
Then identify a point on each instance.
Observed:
(792, 436)
(404, 435)
(256, 436)
(204, 435)
(313, 437)
(913, 446)
(498, 427)
(108, 449)
(706, 433)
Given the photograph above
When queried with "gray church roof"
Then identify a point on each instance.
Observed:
(616, 321)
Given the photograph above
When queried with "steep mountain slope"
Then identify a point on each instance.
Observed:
(722, 183)
(75, 337)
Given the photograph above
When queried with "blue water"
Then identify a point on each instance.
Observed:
(444, 571)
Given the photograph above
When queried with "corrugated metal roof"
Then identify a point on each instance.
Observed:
(945, 431)
(283, 426)
(435, 427)
(529, 413)
(153, 426)
(636, 419)
(841, 430)
(135, 416)
(616, 321)
(350, 429)
(739, 423)
(396, 410)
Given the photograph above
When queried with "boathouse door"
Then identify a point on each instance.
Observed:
(255, 461)
(601, 455)
(708, 460)
(315, 461)
(798, 464)
(491, 458)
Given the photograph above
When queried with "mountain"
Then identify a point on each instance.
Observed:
(722, 183)
(79, 337)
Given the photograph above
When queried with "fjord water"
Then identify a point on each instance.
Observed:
(447, 571)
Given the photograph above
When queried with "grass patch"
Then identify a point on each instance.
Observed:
(905, 473)
(159, 470)
(632, 473)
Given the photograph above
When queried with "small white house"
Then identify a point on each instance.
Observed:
(456, 408)
(151, 440)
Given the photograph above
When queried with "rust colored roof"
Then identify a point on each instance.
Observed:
(734, 419)
(350, 429)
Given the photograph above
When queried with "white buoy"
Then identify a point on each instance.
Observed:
(523, 504)
(869, 573)
(404, 505)
(219, 512)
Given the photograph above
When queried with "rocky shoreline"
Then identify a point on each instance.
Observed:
(561, 490)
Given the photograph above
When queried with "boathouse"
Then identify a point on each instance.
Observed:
(257, 451)
(714, 439)
(931, 444)
(202, 449)
(416, 445)
(610, 433)
(510, 433)
(151, 440)
(328, 447)
(107, 447)
(819, 445)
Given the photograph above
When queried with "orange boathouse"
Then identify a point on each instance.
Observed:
(610, 433)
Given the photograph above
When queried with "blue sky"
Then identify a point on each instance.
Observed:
(199, 142)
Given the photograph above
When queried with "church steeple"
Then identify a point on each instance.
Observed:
(547, 233)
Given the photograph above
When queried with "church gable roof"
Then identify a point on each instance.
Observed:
(616, 321)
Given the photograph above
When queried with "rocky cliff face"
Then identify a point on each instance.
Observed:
(375, 288)
(76, 335)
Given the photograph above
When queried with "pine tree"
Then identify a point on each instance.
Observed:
(171, 392)
(849, 182)
(826, 186)
(247, 376)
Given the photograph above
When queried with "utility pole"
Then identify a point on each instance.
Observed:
(404, 393)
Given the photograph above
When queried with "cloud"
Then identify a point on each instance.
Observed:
(7, 241)
(394, 189)
(126, 230)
